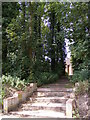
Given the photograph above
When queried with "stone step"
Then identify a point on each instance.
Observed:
(59, 83)
(40, 114)
(44, 106)
(51, 99)
(55, 89)
(8, 116)
(57, 86)
(51, 94)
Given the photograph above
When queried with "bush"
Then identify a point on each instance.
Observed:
(82, 87)
(80, 76)
(12, 81)
(43, 78)
(48, 77)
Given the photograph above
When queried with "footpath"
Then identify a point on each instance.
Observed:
(49, 101)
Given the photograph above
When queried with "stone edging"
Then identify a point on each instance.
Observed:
(71, 105)
(12, 102)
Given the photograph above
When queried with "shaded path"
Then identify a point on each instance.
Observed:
(48, 102)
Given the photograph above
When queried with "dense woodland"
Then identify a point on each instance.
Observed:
(33, 41)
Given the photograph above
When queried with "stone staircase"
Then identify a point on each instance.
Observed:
(48, 102)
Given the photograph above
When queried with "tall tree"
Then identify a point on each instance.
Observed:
(10, 10)
(79, 35)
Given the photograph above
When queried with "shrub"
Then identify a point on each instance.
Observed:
(80, 76)
(82, 88)
(43, 78)
(12, 81)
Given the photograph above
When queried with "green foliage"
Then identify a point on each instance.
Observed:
(79, 35)
(80, 76)
(10, 11)
(2, 95)
(28, 40)
(12, 81)
(47, 78)
(76, 113)
(43, 78)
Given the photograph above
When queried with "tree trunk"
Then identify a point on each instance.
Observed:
(31, 29)
(52, 40)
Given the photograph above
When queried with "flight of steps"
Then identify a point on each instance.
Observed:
(48, 102)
